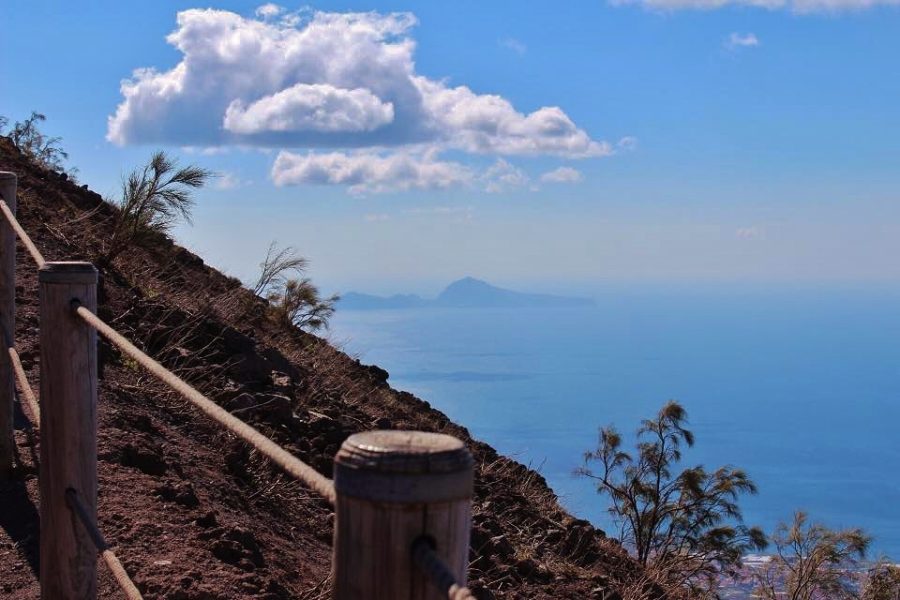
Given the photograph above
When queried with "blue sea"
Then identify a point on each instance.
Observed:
(800, 387)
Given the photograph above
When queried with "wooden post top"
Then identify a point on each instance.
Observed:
(68, 272)
(403, 466)
(5, 175)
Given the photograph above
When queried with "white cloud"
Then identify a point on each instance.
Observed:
(741, 40)
(366, 172)
(269, 11)
(227, 181)
(488, 124)
(503, 177)
(562, 175)
(377, 218)
(310, 107)
(323, 80)
(514, 45)
(369, 172)
(796, 6)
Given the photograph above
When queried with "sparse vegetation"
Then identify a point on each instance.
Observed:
(294, 298)
(42, 149)
(812, 562)
(279, 263)
(882, 582)
(300, 303)
(686, 529)
(154, 198)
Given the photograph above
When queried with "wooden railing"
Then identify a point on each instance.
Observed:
(402, 498)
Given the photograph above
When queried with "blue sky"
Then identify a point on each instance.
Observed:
(699, 141)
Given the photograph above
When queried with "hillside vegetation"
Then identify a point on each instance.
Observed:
(193, 513)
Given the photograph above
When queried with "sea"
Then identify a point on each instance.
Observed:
(799, 386)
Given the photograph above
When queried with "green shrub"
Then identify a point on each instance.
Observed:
(154, 198)
(294, 298)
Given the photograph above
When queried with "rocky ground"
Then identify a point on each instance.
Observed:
(192, 512)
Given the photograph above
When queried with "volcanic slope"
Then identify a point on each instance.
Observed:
(194, 513)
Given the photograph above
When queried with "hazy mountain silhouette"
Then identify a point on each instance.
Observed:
(464, 293)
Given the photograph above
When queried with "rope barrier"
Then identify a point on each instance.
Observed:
(290, 463)
(437, 571)
(24, 386)
(21, 378)
(111, 560)
(26, 241)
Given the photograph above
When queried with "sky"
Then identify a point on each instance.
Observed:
(401, 145)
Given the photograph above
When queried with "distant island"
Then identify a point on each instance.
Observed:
(464, 293)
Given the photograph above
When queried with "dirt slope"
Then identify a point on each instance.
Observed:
(192, 512)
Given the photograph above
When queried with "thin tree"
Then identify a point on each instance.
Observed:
(154, 198)
(685, 527)
(812, 562)
(294, 298)
(28, 139)
(274, 270)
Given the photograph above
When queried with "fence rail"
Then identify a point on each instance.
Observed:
(402, 499)
(112, 561)
(24, 387)
(291, 464)
(23, 236)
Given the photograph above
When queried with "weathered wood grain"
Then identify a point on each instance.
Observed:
(394, 487)
(68, 430)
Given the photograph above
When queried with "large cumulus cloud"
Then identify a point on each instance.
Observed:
(323, 80)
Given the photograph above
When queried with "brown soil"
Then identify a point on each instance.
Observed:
(193, 513)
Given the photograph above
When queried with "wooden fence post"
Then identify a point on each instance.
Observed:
(394, 487)
(8, 323)
(68, 430)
